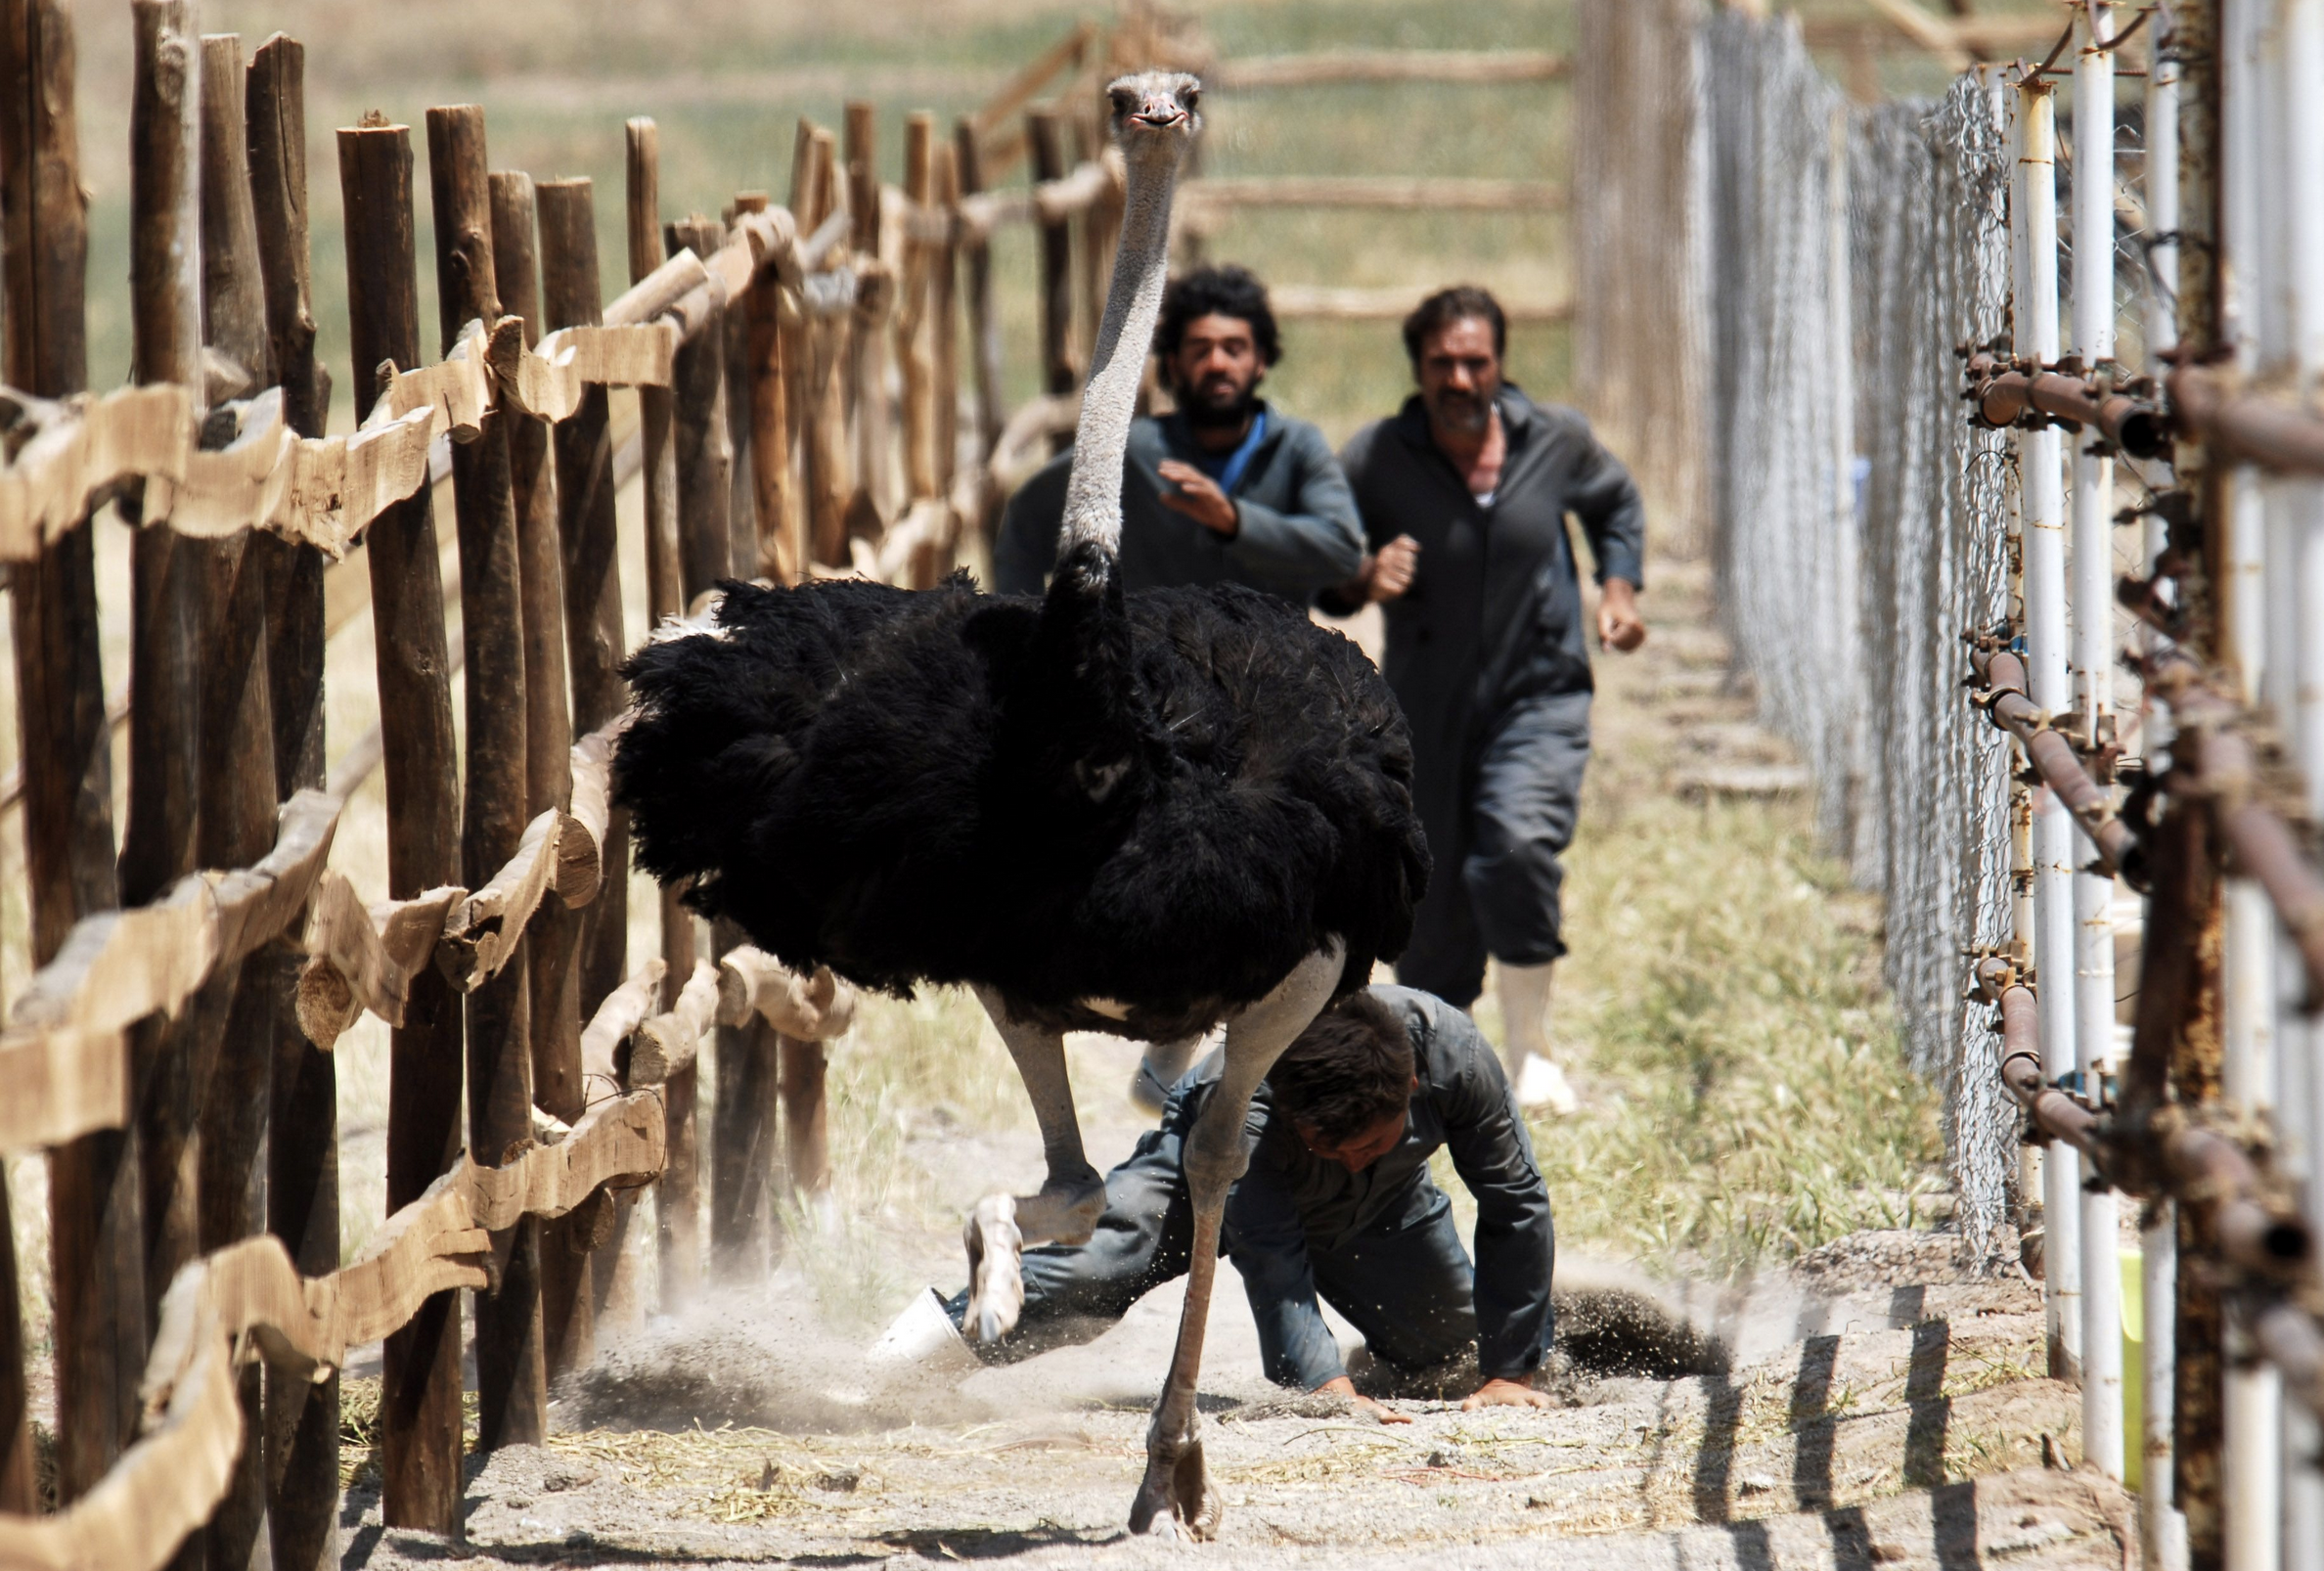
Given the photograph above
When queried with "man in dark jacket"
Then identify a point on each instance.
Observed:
(1465, 496)
(1337, 1205)
(1227, 489)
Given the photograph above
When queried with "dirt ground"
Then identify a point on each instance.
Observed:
(1864, 1404)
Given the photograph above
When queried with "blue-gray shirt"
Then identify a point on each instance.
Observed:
(1298, 533)
(1290, 1197)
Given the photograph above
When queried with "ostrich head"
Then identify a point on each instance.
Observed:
(1155, 112)
(1154, 122)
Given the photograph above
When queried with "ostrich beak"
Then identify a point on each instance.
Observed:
(1160, 114)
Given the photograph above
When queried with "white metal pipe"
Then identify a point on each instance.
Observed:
(2091, 620)
(2297, 510)
(2252, 1457)
(2162, 1529)
(2041, 484)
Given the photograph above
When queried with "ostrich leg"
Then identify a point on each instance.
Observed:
(1070, 1202)
(1176, 1491)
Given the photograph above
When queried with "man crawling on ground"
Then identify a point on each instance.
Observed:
(1338, 1206)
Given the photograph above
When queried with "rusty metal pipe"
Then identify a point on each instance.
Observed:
(2055, 1114)
(2139, 426)
(2290, 1339)
(2273, 432)
(2053, 757)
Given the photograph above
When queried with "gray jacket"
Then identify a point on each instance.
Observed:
(1289, 1197)
(1299, 529)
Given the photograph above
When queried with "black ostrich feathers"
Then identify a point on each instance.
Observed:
(1123, 813)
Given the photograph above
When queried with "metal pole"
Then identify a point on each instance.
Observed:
(2161, 1528)
(2092, 614)
(2038, 459)
(2298, 269)
(2252, 1396)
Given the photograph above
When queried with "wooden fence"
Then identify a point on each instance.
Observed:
(172, 1051)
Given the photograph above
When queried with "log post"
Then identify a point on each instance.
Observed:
(705, 490)
(665, 597)
(552, 936)
(945, 320)
(806, 1119)
(302, 1199)
(760, 389)
(594, 644)
(511, 1383)
(742, 1140)
(984, 321)
(828, 482)
(912, 314)
(706, 454)
(235, 774)
(870, 506)
(420, 1418)
(742, 553)
(1044, 136)
(67, 770)
(168, 582)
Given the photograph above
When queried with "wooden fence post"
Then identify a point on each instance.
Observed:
(806, 1119)
(828, 485)
(742, 494)
(552, 936)
(872, 506)
(706, 541)
(944, 311)
(67, 769)
(236, 771)
(742, 1140)
(167, 582)
(984, 322)
(762, 392)
(594, 646)
(302, 1200)
(912, 315)
(512, 1385)
(1045, 134)
(420, 1418)
(665, 597)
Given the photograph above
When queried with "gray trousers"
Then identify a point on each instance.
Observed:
(1497, 845)
(1405, 1282)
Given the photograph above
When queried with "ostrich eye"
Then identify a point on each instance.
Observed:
(1189, 97)
(1124, 101)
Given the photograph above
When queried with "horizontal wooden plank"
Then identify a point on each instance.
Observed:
(811, 1008)
(1311, 302)
(1376, 193)
(1456, 65)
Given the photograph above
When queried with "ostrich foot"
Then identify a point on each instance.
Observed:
(1175, 1498)
(997, 1233)
(1065, 1211)
(996, 1277)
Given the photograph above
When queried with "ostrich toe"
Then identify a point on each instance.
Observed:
(996, 1277)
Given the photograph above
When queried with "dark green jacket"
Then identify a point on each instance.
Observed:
(1299, 532)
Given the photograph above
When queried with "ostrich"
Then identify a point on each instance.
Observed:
(1138, 814)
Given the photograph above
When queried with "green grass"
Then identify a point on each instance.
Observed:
(1746, 1098)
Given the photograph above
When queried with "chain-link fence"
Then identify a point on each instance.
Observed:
(1861, 523)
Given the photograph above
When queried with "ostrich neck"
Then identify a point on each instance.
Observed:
(1109, 398)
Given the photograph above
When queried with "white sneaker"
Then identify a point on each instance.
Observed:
(1543, 1084)
(923, 1339)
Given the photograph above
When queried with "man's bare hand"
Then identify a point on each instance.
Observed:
(1345, 1387)
(1199, 498)
(1620, 627)
(1390, 573)
(1506, 1394)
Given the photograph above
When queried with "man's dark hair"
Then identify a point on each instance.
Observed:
(1228, 290)
(1349, 1070)
(1447, 306)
